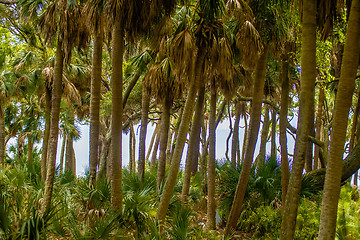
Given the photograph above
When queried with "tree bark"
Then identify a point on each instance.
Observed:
(105, 149)
(117, 116)
(164, 134)
(2, 137)
(309, 148)
(152, 141)
(255, 117)
(342, 105)
(273, 132)
(154, 154)
(144, 121)
(69, 164)
(95, 107)
(54, 129)
(306, 103)
(264, 135)
(62, 154)
(284, 103)
(131, 149)
(211, 205)
(44, 152)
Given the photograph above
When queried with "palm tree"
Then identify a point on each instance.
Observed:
(94, 10)
(342, 105)
(307, 80)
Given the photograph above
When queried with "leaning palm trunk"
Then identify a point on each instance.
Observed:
(44, 152)
(342, 105)
(116, 116)
(2, 136)
(284, 102)
(164, 134)
(193, 149)
(180, 140)
(307, 84)
(95, 107)
(54, 129)
(255, 116)
(144, 121)
(211, 205)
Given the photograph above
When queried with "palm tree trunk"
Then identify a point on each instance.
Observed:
(144, 121)
(306, 103)
(235, 138)
(44, 152)
(106, 144)
(255, 117)
(2, 136)
(204, 153)
(131, 153)
(264, 135)
(69, 157)
(273, 132)
(54, 129)
(30, 150)
(95, 106)
(62, 154)
(284, 103)
(193, 149)
(211, 205)
(342, 105)
(116, 116)
(309, 148)
(130, 87)
(164, 134)
(181, 138)
(245, 140)
(318, 124)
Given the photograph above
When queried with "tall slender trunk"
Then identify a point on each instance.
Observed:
(309, 148)
(235, 138)
(62, 154)
(95, 106)
(2, 136)
(131, 153)
(255, 116)
(164, 135)
(342, 105)
(181, 137)
(264, 135)
(54, 129)
(106, 144)
(245, 139)
(144, 121)
(204, 153)
(306, 103)
(284, 103)
(69, 157)
(273, 132)
(211, 205)
(193, 149)
(318, 125)
(116, 116)
(44, 151)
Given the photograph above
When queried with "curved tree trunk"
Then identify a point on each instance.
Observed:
(95, 107)
(152, 141)
(193, 149)
(284, 102)
(154, 154)
(130, 87)
(164, 135)
(255, 116)
(117, 116)
(342, 105)
(235, 138)
(44, 152)
(264, 135)
(144, 121)
(306, 103)
(211, 205)
(2, 136)
(181, 137)
(54, 129)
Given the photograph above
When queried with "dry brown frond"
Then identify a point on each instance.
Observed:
(240, 9)
(70, 93)
(48, 75)
(249, 42)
